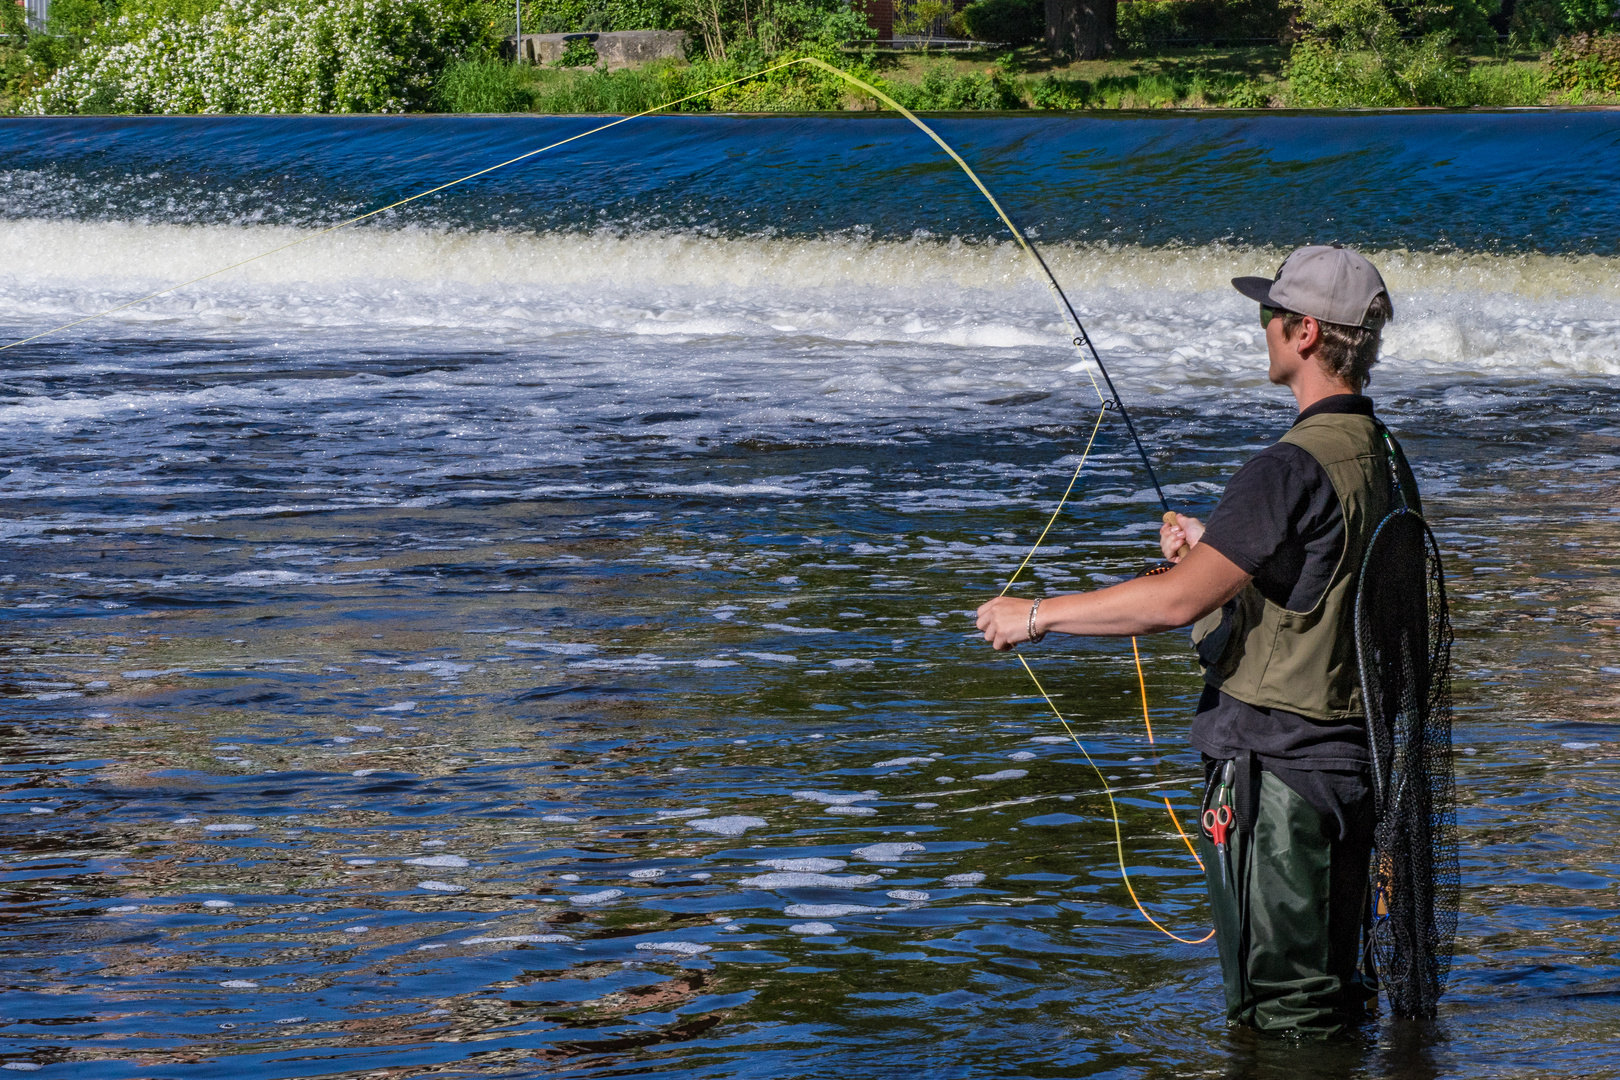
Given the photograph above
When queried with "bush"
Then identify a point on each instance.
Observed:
(1144, 24)
(1012, 22)
(1367, 53)
(1506, 84)
(247, 56)
(483, 85)
(578, 52)
(1151, 91)
(1586, 65)
(1422, 72)
(940, 91)
(632, 90)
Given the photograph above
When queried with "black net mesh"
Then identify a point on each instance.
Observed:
(1403, 640)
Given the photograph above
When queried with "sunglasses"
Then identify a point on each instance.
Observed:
(1269, 313)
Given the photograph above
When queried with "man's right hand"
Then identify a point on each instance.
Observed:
(1186, 532)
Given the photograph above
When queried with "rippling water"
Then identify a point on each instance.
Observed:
(530, 634)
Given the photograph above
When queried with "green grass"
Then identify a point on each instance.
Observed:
(1183, 79)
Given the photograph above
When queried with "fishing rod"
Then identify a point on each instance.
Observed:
(1118, 402)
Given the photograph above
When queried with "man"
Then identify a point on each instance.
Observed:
(1270, 582)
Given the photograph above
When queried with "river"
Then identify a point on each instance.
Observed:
(530, 632)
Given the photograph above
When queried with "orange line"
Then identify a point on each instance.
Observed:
(1141, 682)
(1119, 838)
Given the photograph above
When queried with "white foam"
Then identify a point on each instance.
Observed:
(890, 852)
(829, 911)
(805, 866)
(971, 878)
(806, 881)
(813, 929)
(731, 825)
(1004, 774)
(519, 939)
(438, 860)
(603, 897)
(440, 886)
(835, 798)
(893, 763)
(913, 895)
(684, 948)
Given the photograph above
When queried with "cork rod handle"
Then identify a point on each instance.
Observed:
(1170, 519)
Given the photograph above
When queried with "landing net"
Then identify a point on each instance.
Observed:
(1403, 644)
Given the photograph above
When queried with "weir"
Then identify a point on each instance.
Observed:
(537, 616)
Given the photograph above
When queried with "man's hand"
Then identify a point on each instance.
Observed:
(1005, 621)
(1186, 532)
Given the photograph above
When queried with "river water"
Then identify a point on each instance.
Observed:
(529, 633)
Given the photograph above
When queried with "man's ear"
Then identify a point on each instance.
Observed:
(1307, 335)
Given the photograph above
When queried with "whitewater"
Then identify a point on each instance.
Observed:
(531, 631)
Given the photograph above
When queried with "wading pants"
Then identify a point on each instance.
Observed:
(1288, 915)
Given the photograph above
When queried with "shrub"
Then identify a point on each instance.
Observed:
(796, 89)
(1542, 22)
(1012, 22)
(1586, 65)
(940, 91)
(578, 52)
(1151, 91)
(1506, 84)
(1361, 52)
(1144, 24)
(247, 56)
(482, 85)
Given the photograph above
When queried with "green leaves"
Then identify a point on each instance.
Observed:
(249, 56)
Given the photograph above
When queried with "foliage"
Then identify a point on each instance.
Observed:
(1586, 65)
(920, 18)
(1370, 53)
(578, 52)
(1506, 84)
(1144, 24)
(633, 90)
(1156, 90)
(250, 56)
(19, 73)
(1011, 22)
(482, 85)
(1541, 22)
(939, 91)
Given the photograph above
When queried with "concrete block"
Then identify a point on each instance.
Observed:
(616, 48)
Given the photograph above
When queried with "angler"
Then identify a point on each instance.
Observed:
(1295, 789)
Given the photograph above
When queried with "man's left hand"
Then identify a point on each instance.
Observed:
(1005, 621)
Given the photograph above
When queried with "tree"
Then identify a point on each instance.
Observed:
(1083, 29)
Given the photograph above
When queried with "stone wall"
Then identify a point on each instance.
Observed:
(616, 49)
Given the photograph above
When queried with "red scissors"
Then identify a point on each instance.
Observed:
(1217, 822)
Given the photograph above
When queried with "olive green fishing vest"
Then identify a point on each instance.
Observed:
(1305, 661)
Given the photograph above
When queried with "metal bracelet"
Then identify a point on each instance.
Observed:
(1034, 638)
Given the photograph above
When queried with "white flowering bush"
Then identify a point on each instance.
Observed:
(339, 56)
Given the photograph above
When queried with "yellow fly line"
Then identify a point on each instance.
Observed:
(1017, 235)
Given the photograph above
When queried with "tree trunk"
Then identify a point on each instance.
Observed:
(1081, 29)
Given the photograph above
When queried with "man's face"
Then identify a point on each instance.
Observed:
(1287, 352)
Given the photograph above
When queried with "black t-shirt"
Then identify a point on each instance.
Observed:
(1280, 522)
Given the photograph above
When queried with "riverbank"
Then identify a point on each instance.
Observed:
(1189, 78)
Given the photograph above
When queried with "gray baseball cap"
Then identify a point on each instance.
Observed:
(1326, 281)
